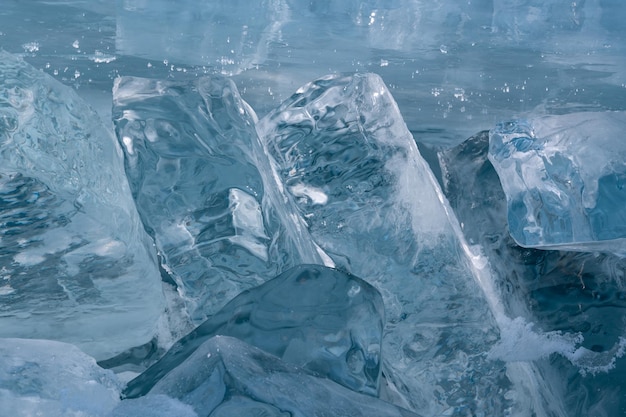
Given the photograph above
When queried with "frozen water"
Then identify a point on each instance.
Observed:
(576, 297)
(53, 379)
(454, 68)
(564, 180)
(371, 202)
(311, 316)
(75, 263)
(191, 156)
(225, 377)
(236, 39)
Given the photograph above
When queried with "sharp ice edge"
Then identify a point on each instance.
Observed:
(544, 402)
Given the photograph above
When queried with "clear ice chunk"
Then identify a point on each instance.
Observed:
(203, 188)
(371, 202)
(226, 377)
(75, 262)
(311, 316)
(564, 178)
(565, 303)
(53, 379)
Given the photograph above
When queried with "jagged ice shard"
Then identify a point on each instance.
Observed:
(315, 317)
(564, 179)
(203, 193)
(227, 377)
(569, 306)
(73, 252)
(372, 203)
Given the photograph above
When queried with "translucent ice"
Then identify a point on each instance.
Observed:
(225, 377)
(312, 316)
(565, 303)
(75, 262)
(564, 180)
(203, 188)
(232, 36)
(371, 202)
(53, 379)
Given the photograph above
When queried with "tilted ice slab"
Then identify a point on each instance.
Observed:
(311, 316)
(564, 178)
(227, 377)
(565, 303)
(75, 262)
(204, 189)
(346, 157)
(53, 379)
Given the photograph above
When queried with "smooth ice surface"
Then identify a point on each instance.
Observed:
(235, 39)
(53, 379)
(192, 159)
(371, 202)
(75, 262)
(569, 306)
(564, 179)
(226, 377)
(311, 316)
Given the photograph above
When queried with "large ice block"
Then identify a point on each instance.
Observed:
(573, 299)
(564, 178)
(371, 202)
(75, 262)
(53, 379)
(311, 316)
(227, 377)
(203, 188)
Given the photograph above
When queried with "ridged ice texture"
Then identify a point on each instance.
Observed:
(53, 379)
(227, 377)
(371, 202)
(75, 262)
(311, 316)
(192, 160)
(564, 178)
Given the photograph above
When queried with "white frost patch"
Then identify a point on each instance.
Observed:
(248, 223)
(6, 290)
(316, 195)
(53, 241)
(521, 343)
(128, 144)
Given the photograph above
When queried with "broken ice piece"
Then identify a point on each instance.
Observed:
(565, 180)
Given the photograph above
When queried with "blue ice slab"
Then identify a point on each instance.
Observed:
(75, 262)
(227, 377)
(575, 300)
(347, 159)
(312, 316)
(564, 178)
(204, 189)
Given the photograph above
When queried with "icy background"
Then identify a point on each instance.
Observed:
(464, 160)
